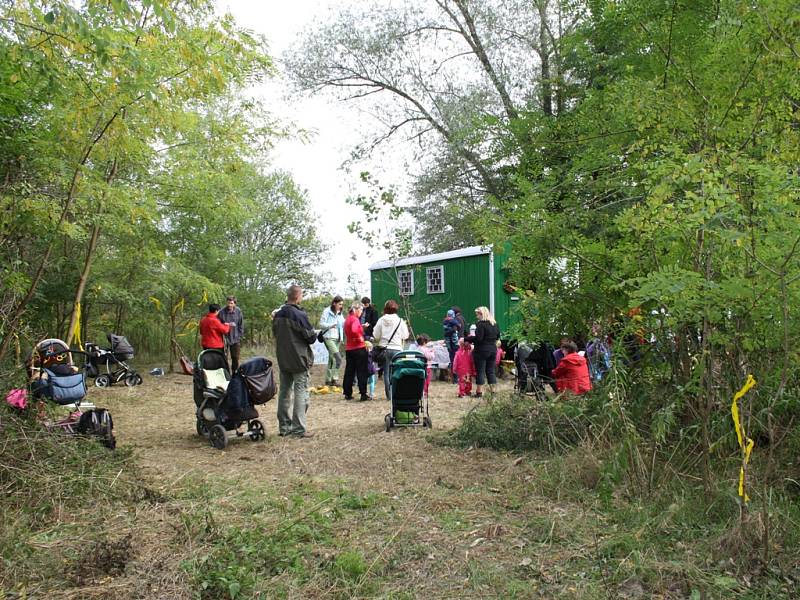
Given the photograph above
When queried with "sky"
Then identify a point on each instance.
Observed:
(334, 125)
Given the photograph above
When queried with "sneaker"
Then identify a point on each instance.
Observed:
(305, 434)
(348, 397)
(363, 398)
(478, 394)
(461, 395)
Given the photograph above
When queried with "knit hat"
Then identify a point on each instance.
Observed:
(451, 313)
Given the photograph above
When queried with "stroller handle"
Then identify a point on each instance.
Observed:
(409, 354)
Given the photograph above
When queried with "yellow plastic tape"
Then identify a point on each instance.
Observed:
(745, 443)
(76, 331)
(156, 301)
(204, 299)
(178, 306)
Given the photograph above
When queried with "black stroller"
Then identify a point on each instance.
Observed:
(407, 391)
(108, 366)
(533, 367)
(53, 377)
(224, 402)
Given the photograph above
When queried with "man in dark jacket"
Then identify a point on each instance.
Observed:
(294, 336)
(369, 317)
(232, 315)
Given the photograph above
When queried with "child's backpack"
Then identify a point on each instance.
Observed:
(451, 329)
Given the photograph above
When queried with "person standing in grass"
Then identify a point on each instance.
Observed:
(390, 332)
(484, 352)
(332, 323)
(231, 314)
(212, 330)
(355, 353)
(294, 336)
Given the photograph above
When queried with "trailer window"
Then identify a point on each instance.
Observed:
(435, 280)
(405, 281)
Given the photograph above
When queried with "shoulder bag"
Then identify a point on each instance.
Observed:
(379, 352)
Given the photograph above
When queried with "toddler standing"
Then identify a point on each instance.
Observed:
(372, 371)
(464, 368)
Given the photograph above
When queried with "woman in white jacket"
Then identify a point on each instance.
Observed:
(332, 323)
(390, 332)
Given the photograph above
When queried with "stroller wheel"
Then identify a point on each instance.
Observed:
(388, 422)
(256, 430)
(102, 381)
(426, 422)
(202, 428)
(130, 379)
(217, 437)
(139, 379)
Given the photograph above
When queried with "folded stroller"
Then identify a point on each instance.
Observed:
(224, 402)
(108, 366)
(407, 391)
(53, 377)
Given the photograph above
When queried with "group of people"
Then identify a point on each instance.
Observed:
(473, 354)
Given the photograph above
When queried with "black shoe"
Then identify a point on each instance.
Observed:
(348, 397)
(363, 398)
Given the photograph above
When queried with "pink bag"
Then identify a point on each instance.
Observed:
(18, 398)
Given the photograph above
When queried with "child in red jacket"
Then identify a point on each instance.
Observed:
(572, 373)
(464, 368)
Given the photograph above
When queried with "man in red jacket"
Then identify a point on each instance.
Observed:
(212, 329)
(572, 373)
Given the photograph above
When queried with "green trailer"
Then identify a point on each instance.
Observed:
(427, 286)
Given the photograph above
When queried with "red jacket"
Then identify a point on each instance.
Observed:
(212, 330)
(353, 333)
(572, 373)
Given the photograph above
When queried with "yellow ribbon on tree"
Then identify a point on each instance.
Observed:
(178, 306)
(745, 443)
(76, 331)
(156, 301)
(204, 300)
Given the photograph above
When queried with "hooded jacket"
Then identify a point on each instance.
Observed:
(293, 338)
(572, 373)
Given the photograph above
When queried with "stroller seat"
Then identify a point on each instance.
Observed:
(222, 400)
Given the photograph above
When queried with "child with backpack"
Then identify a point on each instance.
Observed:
(464, 368)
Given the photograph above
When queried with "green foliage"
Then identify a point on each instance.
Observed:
(131, 169)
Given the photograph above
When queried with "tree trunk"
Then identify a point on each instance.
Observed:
(544, 57)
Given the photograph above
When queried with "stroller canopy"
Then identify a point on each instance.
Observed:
(120, 345)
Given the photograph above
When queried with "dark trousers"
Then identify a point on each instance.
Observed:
(355, 367)
(484, 366)
(234, 350)
(452, 348)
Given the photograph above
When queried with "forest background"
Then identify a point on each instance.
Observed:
(637, 159)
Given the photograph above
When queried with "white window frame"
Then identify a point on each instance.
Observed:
(428, 271)
(400, 289)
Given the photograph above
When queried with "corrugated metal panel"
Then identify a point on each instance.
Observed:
(466, 284)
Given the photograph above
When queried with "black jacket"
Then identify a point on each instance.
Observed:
(293, 338)
(370, 315)
(485, 338)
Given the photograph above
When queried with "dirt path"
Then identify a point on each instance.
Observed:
(350, 444)
(446, 523)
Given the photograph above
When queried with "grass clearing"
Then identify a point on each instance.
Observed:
(355, 513)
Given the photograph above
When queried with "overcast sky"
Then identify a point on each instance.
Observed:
(315, 164)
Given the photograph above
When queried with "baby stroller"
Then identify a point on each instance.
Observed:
(53, 377)
(224, 402)
(407, 391)
(532, 369)
(108, 366)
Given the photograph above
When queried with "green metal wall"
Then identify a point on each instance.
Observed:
(466, 284)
